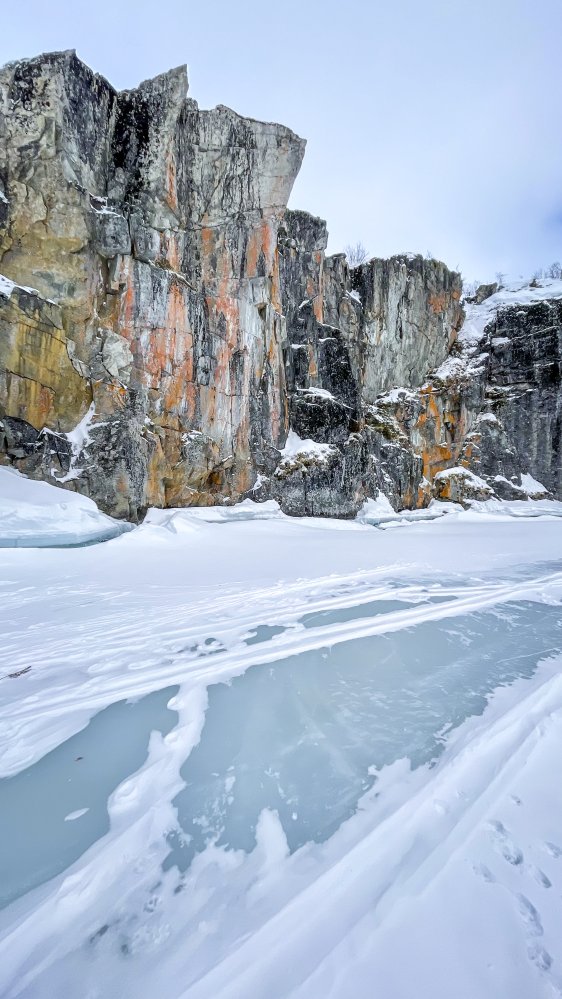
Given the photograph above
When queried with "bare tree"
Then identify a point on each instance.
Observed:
(500, 276)
(469, 288)
(554, 271)
(356, 254)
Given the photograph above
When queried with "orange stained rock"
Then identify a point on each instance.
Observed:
(43, 404)
(169, 249)
(260, 241)
(171, 186)
(118, 394)
(438, 303)
(275, 283)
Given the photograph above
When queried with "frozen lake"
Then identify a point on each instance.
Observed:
(228, 778)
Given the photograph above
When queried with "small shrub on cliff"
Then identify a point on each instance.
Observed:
(356, 254)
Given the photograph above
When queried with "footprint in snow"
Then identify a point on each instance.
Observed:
(539, 876)
(529, 915)
(539, 956)
(504, 844)
(554, 850)
(485, 873)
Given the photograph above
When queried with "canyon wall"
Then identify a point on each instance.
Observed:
(171, 334)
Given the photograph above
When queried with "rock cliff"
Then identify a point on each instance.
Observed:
(171, 334)
(148, 231)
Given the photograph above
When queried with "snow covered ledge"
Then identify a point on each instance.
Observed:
(38, 515)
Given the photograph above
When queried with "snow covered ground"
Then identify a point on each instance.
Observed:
(246, 756)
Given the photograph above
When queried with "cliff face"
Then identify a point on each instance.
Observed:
(352, 335)
(410, 401)
(165, 322)
(153, 227)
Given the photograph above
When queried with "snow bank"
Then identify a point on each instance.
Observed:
(380, 513)
(193, 517)
(38, 515)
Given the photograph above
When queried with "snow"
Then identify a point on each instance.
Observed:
(319, 392)
(171, 517)
(460, 472)
(261, 480)
(531, 486)
(36, 514)
(374, 508)
(296, 447)
(79, 438)
(6, 286)
(256, 756)
(478, 317)
(516, 293)
(396, 395)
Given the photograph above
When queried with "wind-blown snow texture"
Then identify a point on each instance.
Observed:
(245, 755)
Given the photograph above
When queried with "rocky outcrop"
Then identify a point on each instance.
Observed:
(169, 332)
(518, 429)
(351, 335)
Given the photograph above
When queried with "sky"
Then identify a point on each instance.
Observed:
(431, 126)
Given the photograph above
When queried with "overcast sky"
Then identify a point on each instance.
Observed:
(432, 125)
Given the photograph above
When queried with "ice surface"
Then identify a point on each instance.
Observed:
(301, 735)
(41, 806)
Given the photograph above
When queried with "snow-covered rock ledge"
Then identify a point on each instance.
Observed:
(38, 515)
